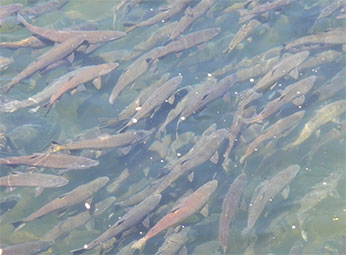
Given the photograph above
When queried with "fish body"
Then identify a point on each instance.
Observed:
(29, 248)
(118, 140)
(131, 218)
(242, 34)
(189, 206)
(330, 37)
(318, 193)
(156, 99)
(33, 180)
(197, 156)
(75, 196)
(273, 131)
(51, 160)
(81, 76)
(268, 190)
(53, 55)
(284, 67)
(230, 205)
(7, 10)
(169, 11)
(191, 14)
(290, 93)
(322, 116)
(40, 9)
(54, 35)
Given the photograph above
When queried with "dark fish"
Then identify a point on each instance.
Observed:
(53, 55)
(8, 202)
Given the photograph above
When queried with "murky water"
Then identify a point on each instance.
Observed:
(278, 228)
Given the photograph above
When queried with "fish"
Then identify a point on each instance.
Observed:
(230, 205)
(200, 153)
(40, 9)
(144, 62)
(174, 242)
(104, 142)
(274, 131)
(318, 193)
(7, 203)
(191, 14)
(130, 110)
(242, 34)
(338, 132)
(211, 94)
(58, 36)
(7, 10)
(258, 9)
(40, 98)
(131, 218)
(189, 206)
(80, 76)
(164, 14)
(58, 52)
(192, 95)
(321, 116)
(29, 248)
(61, 161)
(66, 226)
(332, 86)
(284, 67)
(330, 37)
(19, 179)
(131, 73)
(289, 94)
(75, 196)
(37, 43)
(157, 98)
(268, 190)
(157, 37)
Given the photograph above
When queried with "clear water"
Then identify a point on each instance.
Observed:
(277, 229)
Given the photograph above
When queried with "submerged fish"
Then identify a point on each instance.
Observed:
(29, 248)
(318, 193)
(266, 191)
(131, 218)
(230, 205)
(75, 196)
(322, 116)
(189, 206)
(61, 161)
(55, 54)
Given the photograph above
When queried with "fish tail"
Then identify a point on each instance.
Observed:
(18, 225)
(78, 251)
(139, 245)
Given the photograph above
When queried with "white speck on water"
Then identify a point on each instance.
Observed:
(210, 75)
(293, 227)
(87, 205)
(252, 80)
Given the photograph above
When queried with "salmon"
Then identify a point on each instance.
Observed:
(189, 206)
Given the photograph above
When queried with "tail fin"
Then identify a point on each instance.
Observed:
(78, 251)
(18, 225)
